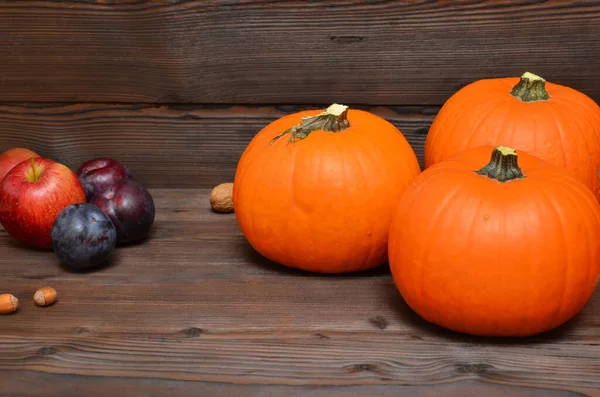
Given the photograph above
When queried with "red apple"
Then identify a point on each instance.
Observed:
(32, 194)
(12, 157)
(99, 174)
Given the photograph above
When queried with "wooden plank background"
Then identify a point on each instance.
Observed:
(165, 146)
(176, 89)
(288, 52)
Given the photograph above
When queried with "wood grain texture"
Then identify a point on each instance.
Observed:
(195, 311)
(165, 146)
(93, 386)
(268, 51)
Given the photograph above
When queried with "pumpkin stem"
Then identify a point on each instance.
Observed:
(503, 165)
(333, 119)
(530, 88)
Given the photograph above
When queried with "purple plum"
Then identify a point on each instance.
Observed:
(99, 174)
(131, 209)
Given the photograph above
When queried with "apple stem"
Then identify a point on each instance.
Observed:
(37, 172)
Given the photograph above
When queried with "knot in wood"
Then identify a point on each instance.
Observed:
(379, 322)
(194, 332)
(475, 368)
(46, 351)
(360, 367)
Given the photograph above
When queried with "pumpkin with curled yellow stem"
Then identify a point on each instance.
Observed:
(554, 122)
(315, 190)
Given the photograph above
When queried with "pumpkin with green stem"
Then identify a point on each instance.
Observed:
(500, 247)
(556, 123)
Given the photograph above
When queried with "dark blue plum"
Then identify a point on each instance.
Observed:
(83, 236)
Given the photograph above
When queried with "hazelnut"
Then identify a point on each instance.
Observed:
(8, 304)
(45, 296)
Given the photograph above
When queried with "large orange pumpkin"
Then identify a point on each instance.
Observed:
(556, 123)
(511, 248)
(316, 190)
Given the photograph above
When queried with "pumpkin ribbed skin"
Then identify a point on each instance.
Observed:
(486, 258)
(323, 203)
(563, 130)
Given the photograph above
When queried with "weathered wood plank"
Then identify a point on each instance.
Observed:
(66, 385)
(220, 51)
(304, 360)
(165, 146)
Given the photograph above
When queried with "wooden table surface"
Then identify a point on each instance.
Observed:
(195, 311)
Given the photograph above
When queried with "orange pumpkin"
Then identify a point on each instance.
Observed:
(556, 123)
(315, 190)
(510, 248)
